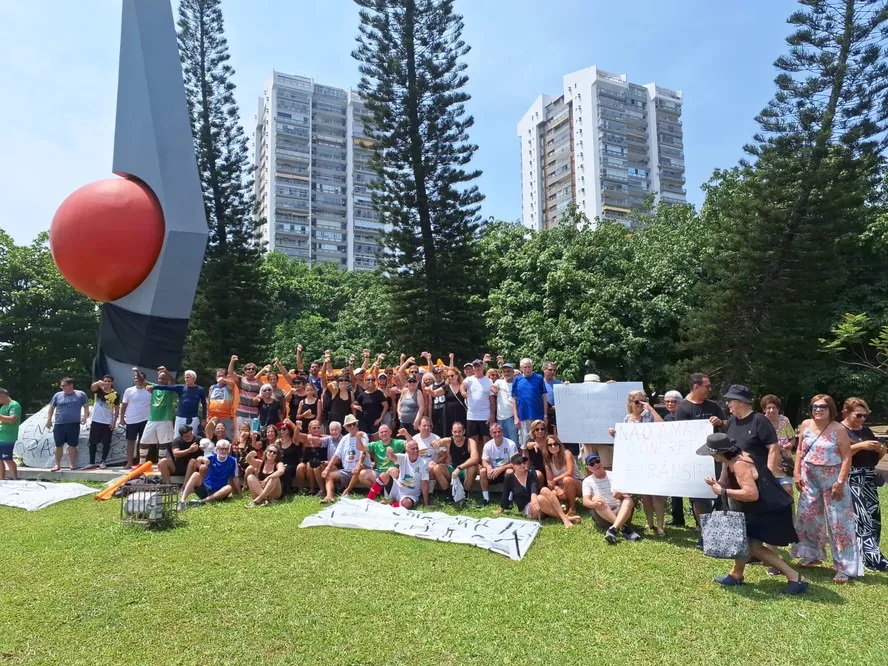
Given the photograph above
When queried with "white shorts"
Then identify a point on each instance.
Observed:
(157, 432)
(399, 493)
(529, 512)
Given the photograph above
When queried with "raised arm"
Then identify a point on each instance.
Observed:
(232, 374)
(300, 366)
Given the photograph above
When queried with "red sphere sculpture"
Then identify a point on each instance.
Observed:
(105, 237)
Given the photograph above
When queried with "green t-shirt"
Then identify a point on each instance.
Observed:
(9, 432)
(378, 451)
(163, 406)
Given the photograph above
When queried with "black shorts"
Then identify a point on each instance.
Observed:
(314, 456)
(134, 431)
(99, 433)
(66, 433)
(180, 466)
(476, 429)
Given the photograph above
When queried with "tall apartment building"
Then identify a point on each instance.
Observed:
(606, 144)
(312, 173)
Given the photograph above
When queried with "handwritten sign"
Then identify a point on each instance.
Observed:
(36, 446)
(586, 411)
(661, 459)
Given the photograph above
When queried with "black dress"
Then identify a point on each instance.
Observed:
(768, 519)
(454, 410)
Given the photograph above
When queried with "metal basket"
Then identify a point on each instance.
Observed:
(149, 504)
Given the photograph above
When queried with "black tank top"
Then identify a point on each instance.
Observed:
(339, 407)
(459, 455)
(291, 455)
(262, 474)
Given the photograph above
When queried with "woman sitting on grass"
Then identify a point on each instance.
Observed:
(523, 487)
(265, 484)
(562, 473)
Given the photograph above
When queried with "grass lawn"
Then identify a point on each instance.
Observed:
(232, 586)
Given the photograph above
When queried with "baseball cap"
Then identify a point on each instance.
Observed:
(592, 458)
(517, 458)
(477, 361)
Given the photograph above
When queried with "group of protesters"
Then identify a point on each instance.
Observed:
(410, 432)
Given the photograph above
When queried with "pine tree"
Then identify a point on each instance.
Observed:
(229, 310)
(787, 220)
(413, 83)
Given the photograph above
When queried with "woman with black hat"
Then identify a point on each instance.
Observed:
(750, 488)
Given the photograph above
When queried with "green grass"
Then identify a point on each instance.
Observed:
(232, 586)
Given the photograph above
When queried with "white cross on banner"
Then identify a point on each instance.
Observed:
(507, 536)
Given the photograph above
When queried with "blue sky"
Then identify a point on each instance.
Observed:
(59, 78)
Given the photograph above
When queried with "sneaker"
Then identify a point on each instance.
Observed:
(102, 465)
(699, 543)
(610, 535)
(630, 535)
(180, 505)
(482, 503)
(88, 467)
(799, 586)
(195, 502)
(728, 580)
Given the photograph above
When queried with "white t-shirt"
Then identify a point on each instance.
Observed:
(478, 398)
(601, 487)
(427, 449)
(411, 475)
(138, 402)
(102, 412)
(348, 453)
(499, 455)
(503, 400)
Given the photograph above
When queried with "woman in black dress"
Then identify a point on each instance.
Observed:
(751, 488)
(454, 403)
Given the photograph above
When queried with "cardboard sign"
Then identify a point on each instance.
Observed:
(661, 459)
(586, 411)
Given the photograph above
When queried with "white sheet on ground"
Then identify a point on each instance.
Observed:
(33, 495)
(508, 536)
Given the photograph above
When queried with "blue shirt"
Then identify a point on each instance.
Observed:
(190, 398)
(550, 389)
(219, 472)
(68, 408)
(527, 392)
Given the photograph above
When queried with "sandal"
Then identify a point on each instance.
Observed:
(56, 469)
(799, 586)
(660, 532)
(807, 564)
(841, 579)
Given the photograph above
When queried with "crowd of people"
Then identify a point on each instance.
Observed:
(408, 433)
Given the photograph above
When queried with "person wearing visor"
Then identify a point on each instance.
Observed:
(750, 488)
(612, 510)
(523, 486)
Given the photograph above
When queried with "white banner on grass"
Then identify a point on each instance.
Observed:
(33, 495)
(586, 411)
(661, 459)
(507, 536)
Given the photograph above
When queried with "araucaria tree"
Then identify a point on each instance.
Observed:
(228, 287)
(413, 82)
(788, 223)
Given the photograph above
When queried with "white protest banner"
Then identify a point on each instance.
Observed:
(507, 536)
(33, 495)
(661, 459)
(36, 446)
(586, 411)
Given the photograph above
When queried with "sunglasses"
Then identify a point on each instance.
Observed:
(370, 380)
(539, 428)
(639, 402)
(274, 451)
(860, 416)
(819, 407)
(593, 463)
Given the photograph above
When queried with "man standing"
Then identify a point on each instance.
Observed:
(505, 413)
(697, 407)
(134, 416)
(550, 381)
(248, 385)
(10, 419)
(160, 413)
(529, 400)
(221, 402)
(192, 408)
(66, 406)
(476, 391)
